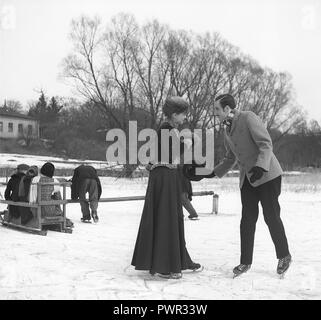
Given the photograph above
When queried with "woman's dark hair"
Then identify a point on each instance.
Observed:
(226, 100)
(176, 105)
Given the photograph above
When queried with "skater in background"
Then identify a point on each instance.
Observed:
(248, 142)
(160, 245)
(12, 190)
(85, 179)
(187, 193)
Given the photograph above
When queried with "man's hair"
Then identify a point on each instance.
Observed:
(174, 105)
(226, 100)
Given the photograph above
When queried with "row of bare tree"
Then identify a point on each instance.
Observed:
(124, 68)
(124, 71)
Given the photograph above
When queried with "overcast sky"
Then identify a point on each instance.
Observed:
(284, 35)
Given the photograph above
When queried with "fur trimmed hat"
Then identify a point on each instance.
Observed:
(175, 104)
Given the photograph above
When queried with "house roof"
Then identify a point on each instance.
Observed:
(16, 115)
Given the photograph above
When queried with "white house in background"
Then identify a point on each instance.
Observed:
(15, 125)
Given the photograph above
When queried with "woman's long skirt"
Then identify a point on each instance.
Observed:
(160, 244)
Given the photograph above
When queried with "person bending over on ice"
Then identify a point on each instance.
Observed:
(248, 142)
(85, 179)
(160, 245)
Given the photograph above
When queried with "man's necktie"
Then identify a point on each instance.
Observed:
(228, 124)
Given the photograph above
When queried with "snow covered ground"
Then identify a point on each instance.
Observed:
(94, 261)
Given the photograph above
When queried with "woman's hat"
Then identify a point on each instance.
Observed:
(48, 169)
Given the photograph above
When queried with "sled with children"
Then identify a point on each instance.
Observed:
(34, 201)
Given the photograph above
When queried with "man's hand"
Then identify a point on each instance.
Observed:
(257, 173)
(148, 166)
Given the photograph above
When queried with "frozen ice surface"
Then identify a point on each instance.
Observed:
(94, 261)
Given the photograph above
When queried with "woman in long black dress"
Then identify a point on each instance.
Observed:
(160, 244)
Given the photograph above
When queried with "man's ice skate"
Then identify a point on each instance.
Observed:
(283, 265)
(240, 269)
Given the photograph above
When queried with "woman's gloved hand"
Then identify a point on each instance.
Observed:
(189, 171)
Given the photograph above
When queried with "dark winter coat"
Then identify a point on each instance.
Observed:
(80, 174)
(12, 192)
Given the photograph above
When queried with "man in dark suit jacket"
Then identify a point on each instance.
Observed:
(249, 144)
(85, 179)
